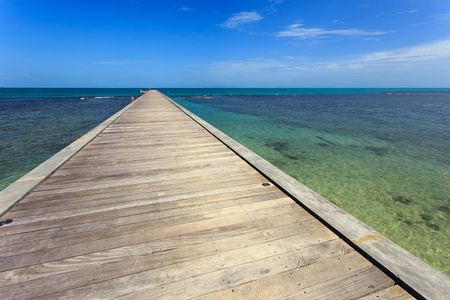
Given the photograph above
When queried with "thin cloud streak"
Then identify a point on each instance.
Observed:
(238, 20)
(123, 62)
(435, 52)
(298, 31)
(398, 13)
(242, 18)
(273, 8)
(247, 66)
(443, 17)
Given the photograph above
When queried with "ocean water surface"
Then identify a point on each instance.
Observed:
(380, 154)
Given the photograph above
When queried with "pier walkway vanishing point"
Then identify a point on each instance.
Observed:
(157, 204)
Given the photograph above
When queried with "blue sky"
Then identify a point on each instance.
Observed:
(225, 43)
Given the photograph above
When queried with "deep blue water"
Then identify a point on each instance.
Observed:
(32, 93)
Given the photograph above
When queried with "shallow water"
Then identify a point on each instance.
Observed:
(381, 157)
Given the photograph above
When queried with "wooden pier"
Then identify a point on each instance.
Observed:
(157, 204)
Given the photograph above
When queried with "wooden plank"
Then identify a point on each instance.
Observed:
(349, 286)
(114, 185)
(144, 205)
(152, 219)
(165, 187)
(160, 175)
(312, 282)
(225, 238)
(142, 194)
(119, 238)
(394, 293)
(145, 263)
(25, 236)
(42, 223)
(170, 275)
(195, 286)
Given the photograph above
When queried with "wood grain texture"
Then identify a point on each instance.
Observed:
(155, 207)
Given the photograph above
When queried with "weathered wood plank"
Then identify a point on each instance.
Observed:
(225, 238)
(142, 194)
(114, 185)
(394, 293)
(192, 287)
(25, 236)
(165, 187)
(118, 238)
(167, 217)
(42, 224)
(147, 263)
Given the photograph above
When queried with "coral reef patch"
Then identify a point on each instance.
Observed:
(402, 199)
(377, 150)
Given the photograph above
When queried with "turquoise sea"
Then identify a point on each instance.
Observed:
(380, 154)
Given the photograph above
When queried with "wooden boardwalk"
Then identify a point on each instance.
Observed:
(156, 207)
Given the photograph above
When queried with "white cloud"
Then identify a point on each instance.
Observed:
(247, 66)
(434, 51)
(419, 57)
(298, 31)
(242, 18)
(404, 12)
(420, 66)
(398, 13)
(248, 17)
(443, 17)
(185, 8)
(123, 62)
(112, 63)
(273, 7)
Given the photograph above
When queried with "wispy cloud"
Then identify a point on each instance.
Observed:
(398, 13)
(406, 57)
(404, 12)
(242, 18)
(247, 66)
(443, 17)
(437, 52)
(185, 8)
(123, 62)
(435, 19)
(298, 31)
(238, 20)
(434, 51)
(273, 8)
(111, 63)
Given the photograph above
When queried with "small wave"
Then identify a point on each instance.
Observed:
(103, 97)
